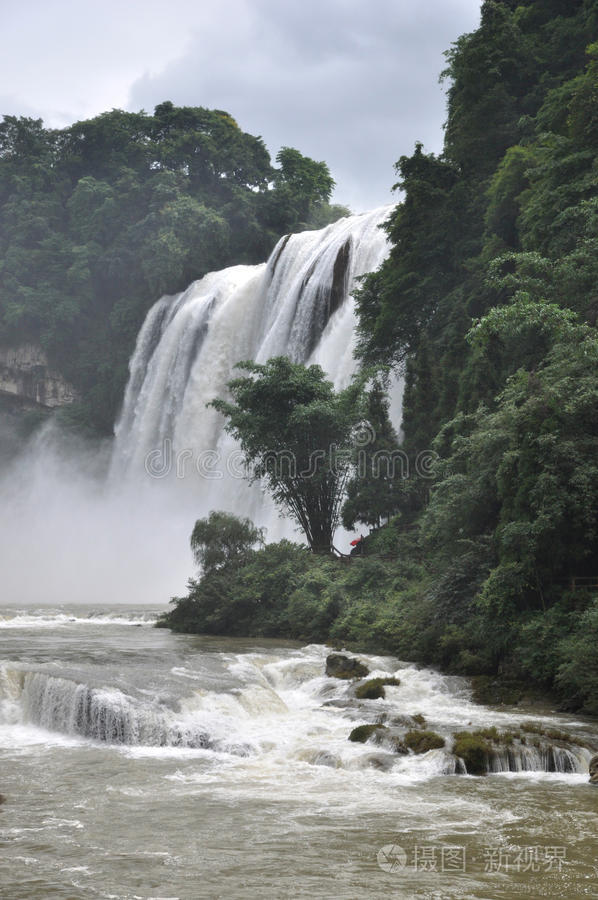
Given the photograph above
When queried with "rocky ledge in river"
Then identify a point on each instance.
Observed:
(527, 748)
(530, 746)
(346, 667)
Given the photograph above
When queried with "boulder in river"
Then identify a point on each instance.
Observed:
(423, 741)
(363, 733)
(340, 666)
(594, 770)
(374, 688)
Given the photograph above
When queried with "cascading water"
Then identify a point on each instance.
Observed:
(298, 305)
(140, 763)
(235, 704)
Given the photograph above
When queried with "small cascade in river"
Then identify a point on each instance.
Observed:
(109, 715)
(128, 749)
(282, 708)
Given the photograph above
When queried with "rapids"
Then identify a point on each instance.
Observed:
(140, 764)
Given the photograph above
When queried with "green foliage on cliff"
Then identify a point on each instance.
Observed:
(99, 219)
(488, 303)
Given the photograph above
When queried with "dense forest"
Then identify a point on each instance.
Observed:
(99, 219)
(488, 563)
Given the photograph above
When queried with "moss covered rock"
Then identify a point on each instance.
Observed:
(422, 741)
(340, 666)
(363, 733)
(374, 688)
(473, 749)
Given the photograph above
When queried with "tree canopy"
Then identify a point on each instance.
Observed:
(295, 432)
(223, 539)
(99, 219)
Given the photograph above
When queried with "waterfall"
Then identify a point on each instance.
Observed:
(298, 304)
(100, 714)
(544, 758)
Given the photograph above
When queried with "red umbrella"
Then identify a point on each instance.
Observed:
(355, 542)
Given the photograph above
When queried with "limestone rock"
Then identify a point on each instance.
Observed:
(340, 666)
(25, 374)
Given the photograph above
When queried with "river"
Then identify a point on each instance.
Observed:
(139, 764)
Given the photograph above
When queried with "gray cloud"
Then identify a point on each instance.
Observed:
(355, 85)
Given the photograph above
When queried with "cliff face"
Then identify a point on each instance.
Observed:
(26, 376)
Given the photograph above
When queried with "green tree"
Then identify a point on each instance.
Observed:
(525, 475)
(223, 539)
(302, 189)
(374, 490)
(295, 432)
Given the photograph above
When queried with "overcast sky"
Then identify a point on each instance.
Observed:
(352, 82)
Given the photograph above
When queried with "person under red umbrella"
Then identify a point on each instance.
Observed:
(358, 542)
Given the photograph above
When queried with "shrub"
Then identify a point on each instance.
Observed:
(422, 741)
(474, 750)
(374, 688)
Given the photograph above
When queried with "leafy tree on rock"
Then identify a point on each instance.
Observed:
(302, 189)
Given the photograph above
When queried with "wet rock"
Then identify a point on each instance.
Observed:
(374, 688)
(407, 722)
(382, 761)
(342, 703)
(394, 742)
(340, 666)
(594, 770)
(2, 799)
(422, 741)
(473, 750)
(324, 758)
(507, 691)
(242, 750)
(363, 733)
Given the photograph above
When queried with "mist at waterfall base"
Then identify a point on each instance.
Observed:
(101, 524)
(65, 537)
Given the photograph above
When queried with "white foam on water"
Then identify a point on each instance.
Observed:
(52, 620)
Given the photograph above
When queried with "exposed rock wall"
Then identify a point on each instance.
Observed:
(26, 375)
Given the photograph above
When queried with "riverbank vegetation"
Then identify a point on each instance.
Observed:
(488, 563)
